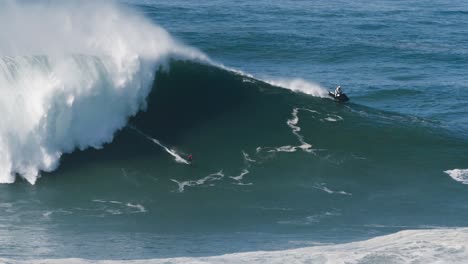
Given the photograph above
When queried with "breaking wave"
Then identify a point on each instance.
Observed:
(82, 72)
(71, 74)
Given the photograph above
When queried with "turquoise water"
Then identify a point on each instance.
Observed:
(273, 168)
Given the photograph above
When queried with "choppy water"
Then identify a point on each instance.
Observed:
(105, 101)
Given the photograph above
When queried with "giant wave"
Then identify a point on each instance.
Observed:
(83, 75)
(71, 74)
(74, 78)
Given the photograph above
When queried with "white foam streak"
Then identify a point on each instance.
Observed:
(295, 129)
(329, 191)
(293, 124)
(71, 74)
(247, 158)
(333, 118)
(172, 152)
(239, 177)
(212, 177)
(460, 175)
(116, 207)
(139, 207)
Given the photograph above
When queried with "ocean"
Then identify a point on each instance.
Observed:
(102, 102)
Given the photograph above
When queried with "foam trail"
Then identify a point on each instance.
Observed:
(71, 74)
(324, 188)
(295, 129)
(172, 152)
(247, 158)
(293, 124)
(332, 118)
(212, 177)
(460, 175)
(239, 177)
(140, 208)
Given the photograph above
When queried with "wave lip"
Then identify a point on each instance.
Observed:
(460, 175)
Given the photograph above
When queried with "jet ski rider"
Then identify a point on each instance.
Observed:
(338, 91)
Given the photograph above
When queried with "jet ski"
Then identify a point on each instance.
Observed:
(341, 97)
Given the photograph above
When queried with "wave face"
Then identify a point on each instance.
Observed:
(71, 74)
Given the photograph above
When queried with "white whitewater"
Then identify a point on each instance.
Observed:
(295, 129)
(71, 74)
(207, 179)
(460, 175)
(411, 246)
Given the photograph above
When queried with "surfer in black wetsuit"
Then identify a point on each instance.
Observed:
(338, 91)
(190, 158)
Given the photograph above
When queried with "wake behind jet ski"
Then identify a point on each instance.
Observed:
(338, 95)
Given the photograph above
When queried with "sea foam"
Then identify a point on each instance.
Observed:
(460, 175)
(411, 246)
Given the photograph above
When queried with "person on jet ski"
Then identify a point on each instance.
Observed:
(338, 91)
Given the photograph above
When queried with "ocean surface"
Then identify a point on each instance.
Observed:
(101, 103)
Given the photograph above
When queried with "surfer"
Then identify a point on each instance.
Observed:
(190, 158)
(338, 91)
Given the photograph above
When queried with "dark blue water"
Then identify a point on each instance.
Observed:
(401, 56)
